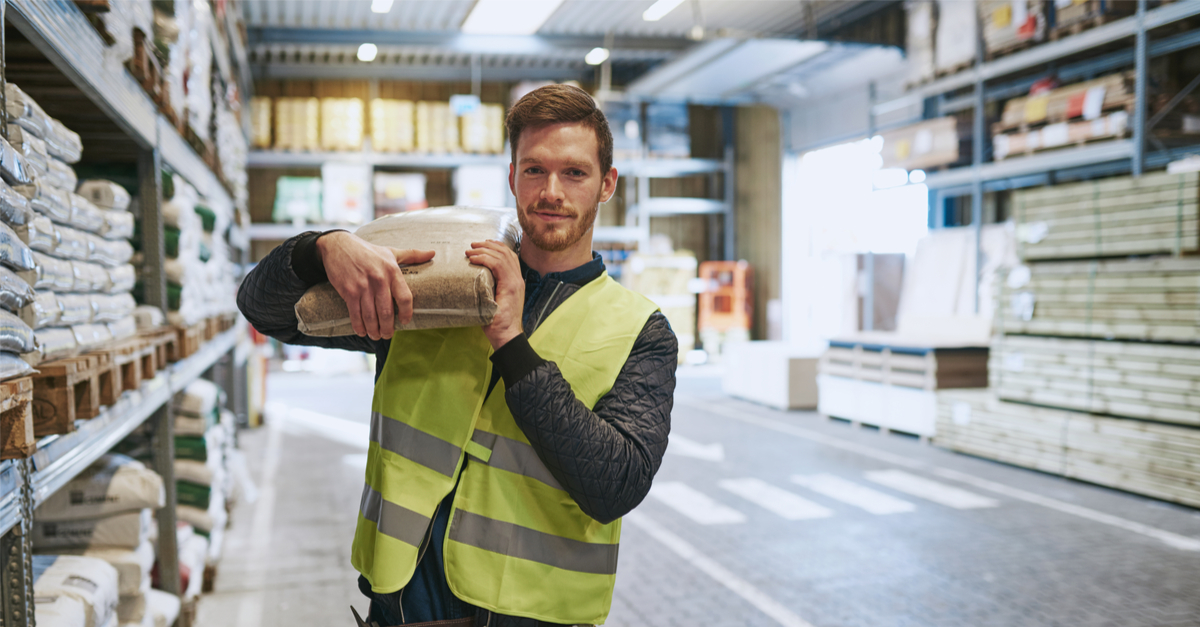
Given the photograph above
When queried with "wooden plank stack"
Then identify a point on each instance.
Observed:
(1154, 214)
(921, 368)
(1095, 364)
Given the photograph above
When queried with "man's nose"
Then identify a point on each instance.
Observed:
(553, 191)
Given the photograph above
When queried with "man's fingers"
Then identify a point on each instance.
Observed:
(385, 313)
(367, 309)
(352, 304)
(402, 297)
(412, 256)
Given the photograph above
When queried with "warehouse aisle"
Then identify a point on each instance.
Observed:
(757, 517)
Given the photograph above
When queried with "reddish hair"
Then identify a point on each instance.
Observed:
(555, 104)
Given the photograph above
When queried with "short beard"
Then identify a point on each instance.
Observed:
(557, 240)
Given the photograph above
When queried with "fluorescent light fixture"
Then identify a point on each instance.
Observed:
(660, 9)
(916, 176)
(367, 52)
(596, 56)
(381, 6)
(509, 17)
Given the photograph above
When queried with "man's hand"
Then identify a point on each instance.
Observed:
(368, 278)
(510, 289)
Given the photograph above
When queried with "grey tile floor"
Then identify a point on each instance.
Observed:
(758, 517)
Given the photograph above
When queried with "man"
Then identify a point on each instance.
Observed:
(499, 509)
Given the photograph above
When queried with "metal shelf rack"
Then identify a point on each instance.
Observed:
(60, 31)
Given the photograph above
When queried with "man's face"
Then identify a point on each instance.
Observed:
(558, 184)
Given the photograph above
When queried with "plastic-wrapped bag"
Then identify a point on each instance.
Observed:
(63, 143)
(32, 148)
(61, 175)
(148, 317)
(122, 278)
(49, 273)
(74, 244)
(110, 252)
(90, 277)
(76, 309)
(13, 252)
(42, 311)
(25, 111)
(112, 307)
(105, 194)
(14, 208)
(448, 291)
(15, 335)
(11, 365)
(123, 328)
(55, 343)
(117, 225)
(39, 234)
(15, 293)
(12, 166)
(89, 335)
(47, 200)
(87, 216)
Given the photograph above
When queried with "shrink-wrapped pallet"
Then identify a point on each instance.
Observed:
(392, 125)
(448, 291)
(341, 123)
(260, 122)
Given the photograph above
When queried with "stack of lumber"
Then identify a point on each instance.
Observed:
(1154, 214)
(1127, 379)
(1158, 460)
(925, 144)
(1154, 300)
(924, 368)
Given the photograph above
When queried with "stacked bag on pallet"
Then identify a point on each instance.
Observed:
(204, 439)
(16, 337)
(106, 514)
(79, 251)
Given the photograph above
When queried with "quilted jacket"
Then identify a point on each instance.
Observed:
(605, 458)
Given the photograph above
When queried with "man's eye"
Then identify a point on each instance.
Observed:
(533, 171)
(577, 173)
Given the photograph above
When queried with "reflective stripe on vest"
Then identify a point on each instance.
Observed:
(513, 528)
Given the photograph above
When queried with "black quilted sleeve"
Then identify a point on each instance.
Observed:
(604, 458)
(268, 296)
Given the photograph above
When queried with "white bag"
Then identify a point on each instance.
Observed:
(198, 399)
(164, 606)
(126, 531)
(133, 565)
(113, 484)
(58, 610)
(132, 608)
(205, 520)
(89, 580)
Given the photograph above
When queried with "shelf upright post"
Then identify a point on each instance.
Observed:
(978, 132)
(1140, 78)
(868, 290)
(730, 173)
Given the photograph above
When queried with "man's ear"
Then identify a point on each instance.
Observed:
(512, 171)
(609, 185)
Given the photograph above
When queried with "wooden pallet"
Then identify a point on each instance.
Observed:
(210, 578)
(64, 391)
(164, 341)
(1124, 379)
(132, 361)
(1076, 18)
(16, 419)
(1065, 103)
(1144, 299)
(190, 339)
(1157, 460)
(1119, 216)
(144, 65)
(920, 368)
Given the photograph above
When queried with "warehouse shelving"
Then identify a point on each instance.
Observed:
(60, 31)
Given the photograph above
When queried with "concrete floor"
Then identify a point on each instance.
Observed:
(758, 517)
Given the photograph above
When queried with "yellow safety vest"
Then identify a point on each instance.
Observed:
(517, 543)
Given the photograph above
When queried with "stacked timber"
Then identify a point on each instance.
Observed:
(1119, 216)
(1094, 368)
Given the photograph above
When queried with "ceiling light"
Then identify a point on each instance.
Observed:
(916, 176)
(660, 9)
(596, 56)
(367, 52)
(381, 6)
(509, 17)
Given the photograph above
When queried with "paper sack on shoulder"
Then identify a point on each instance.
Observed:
(448, 291)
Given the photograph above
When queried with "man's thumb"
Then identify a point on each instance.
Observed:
(412, 256)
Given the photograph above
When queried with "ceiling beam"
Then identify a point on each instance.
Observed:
(458, 42)
(411, 72)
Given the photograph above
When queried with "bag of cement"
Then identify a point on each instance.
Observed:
(112, 307)
(39, 234)
(113, 484)
(193, 553)
(12, 165)
(55, 343)
(148, 317)
(131, 609)
(199, 447)
(110, 252)
(59, 610)
(73, 244)
(117, 225)
(25, 111)
(14, 208)
(12, 365)
(91, 335)
(76, 309)
(447, 291)
(123, 328)
(126, 531)
(105, 194)
(15, 293)
(216, 543)
(86, 579)
(15, 335)
(164, 606)
(47, 200)
(31, 147)
(205, 520)
(122, 278)
(133, 565)
(63, 143)
(43, 311)
(90, 277)
(62, 175)
(86, 215)
(198, 399)
(195, 471)
(13, 252)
